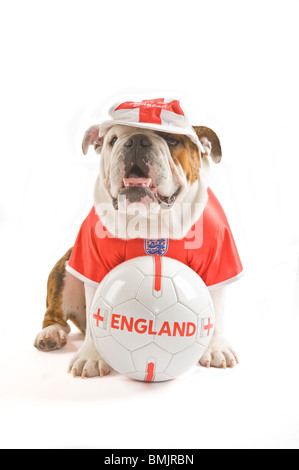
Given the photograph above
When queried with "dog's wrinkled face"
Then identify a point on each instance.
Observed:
(147, 167)
(151, 184)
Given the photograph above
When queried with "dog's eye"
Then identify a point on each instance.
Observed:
(113, 140)
(171, 141)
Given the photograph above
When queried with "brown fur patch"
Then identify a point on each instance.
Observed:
(54, 313)
(206, 132)
(187, 154)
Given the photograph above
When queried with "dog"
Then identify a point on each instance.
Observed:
(153, 184)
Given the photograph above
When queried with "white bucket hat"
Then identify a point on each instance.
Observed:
(164, 115)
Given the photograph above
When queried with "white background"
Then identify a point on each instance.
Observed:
(235, 67)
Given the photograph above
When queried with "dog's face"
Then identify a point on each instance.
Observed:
(154, 169)
(147, 167)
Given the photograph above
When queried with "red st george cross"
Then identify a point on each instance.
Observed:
(208, 326)
(98, 317)
(150, 110)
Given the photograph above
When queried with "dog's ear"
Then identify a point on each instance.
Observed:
(91, 137)
(210, 142)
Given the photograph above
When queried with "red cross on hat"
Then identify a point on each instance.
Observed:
(150, 110)
(161, 114)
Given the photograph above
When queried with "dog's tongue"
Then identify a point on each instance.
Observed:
(135, 181)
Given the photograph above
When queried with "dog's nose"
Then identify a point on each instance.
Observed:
(138, 140)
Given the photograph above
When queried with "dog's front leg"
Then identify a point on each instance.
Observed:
(219, 352)
(88, 362)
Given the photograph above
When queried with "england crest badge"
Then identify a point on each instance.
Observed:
(156, 246)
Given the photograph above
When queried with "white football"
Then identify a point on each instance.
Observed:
(152, 318)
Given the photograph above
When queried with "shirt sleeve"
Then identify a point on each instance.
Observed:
(217, 262)
(85, 261)
(225, 265)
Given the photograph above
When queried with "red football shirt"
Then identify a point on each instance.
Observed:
(209, 249)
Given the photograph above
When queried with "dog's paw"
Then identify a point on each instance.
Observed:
(219, 354)
(50, 338)
(88, 365)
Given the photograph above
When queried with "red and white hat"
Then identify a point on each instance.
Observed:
(165, 115)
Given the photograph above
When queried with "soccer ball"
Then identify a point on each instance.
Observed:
(152, 318)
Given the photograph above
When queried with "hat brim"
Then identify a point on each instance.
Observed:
(105, 125)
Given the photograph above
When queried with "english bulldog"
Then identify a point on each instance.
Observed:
(153, 184)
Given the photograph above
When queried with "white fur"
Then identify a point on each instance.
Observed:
(219, 352)
(154, 223)
(87, 362)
